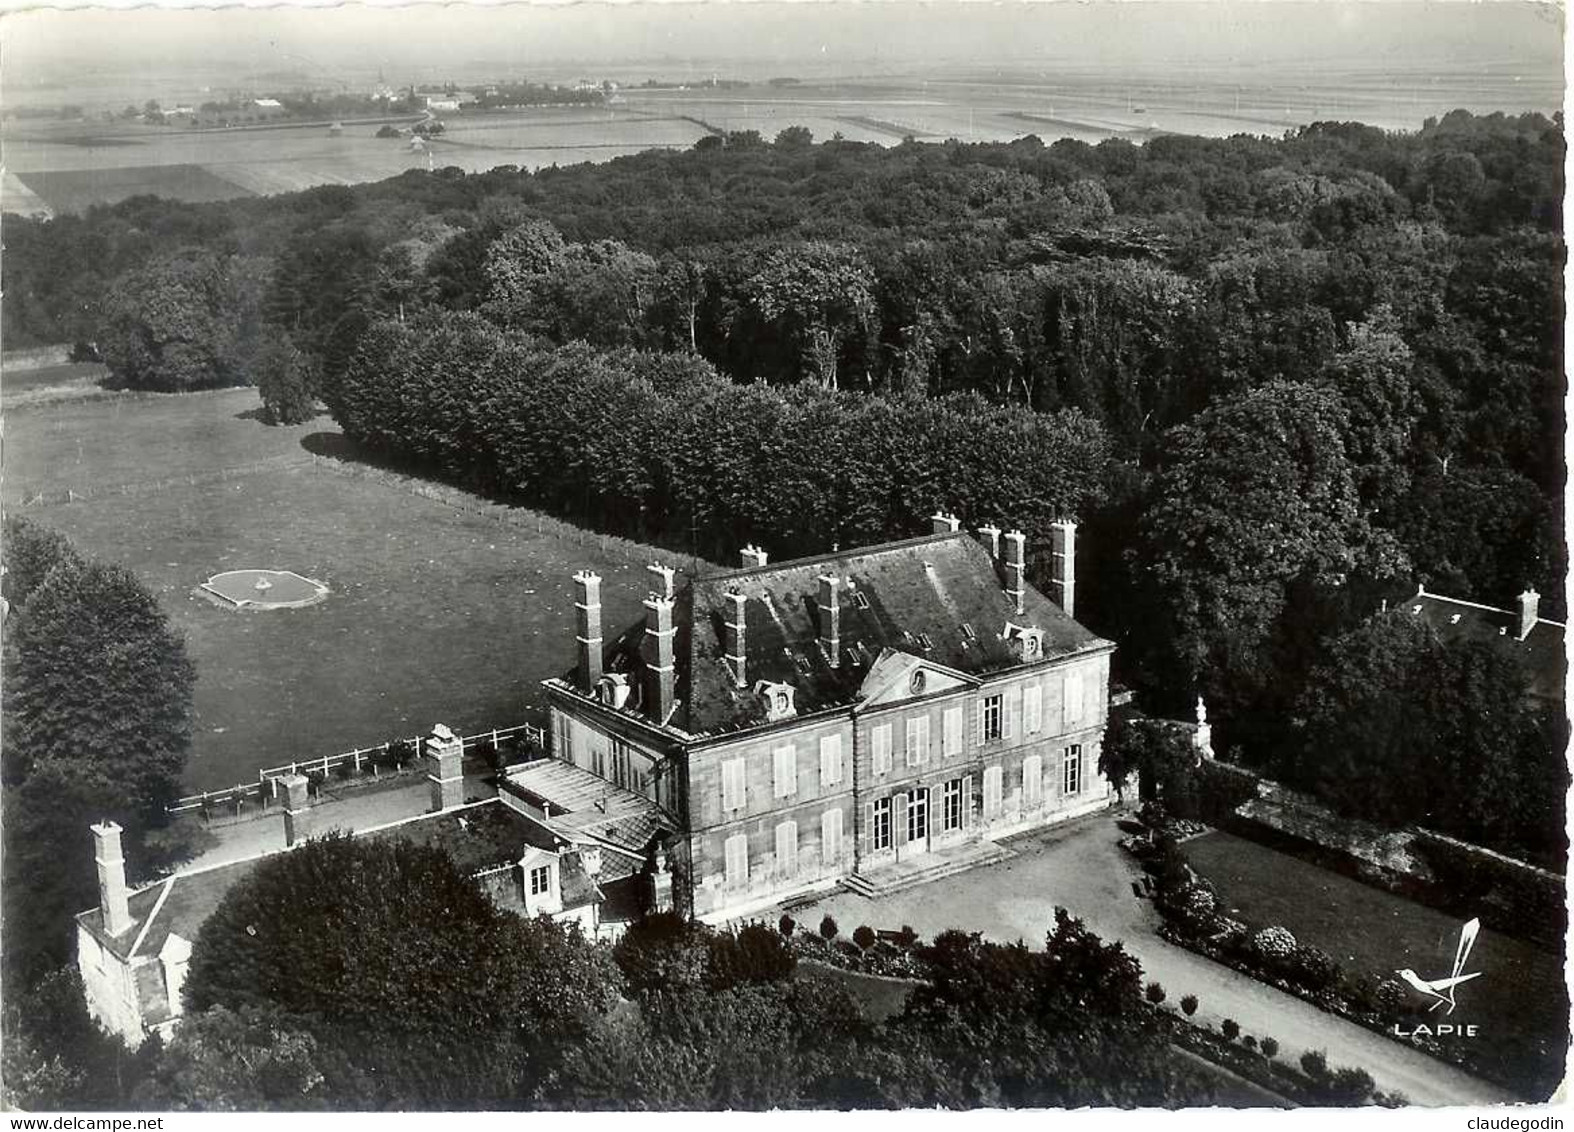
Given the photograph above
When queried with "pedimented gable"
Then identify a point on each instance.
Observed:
(897, 676)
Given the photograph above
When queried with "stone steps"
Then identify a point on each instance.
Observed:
(898, 878)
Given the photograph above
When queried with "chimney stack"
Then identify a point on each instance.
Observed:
(753, 556)
(665, 573)
(444, 768)
(587, 614)
(831, 618)
(942, 524)
(112, 894)
(297, 811)
(734, 632)
(1016, 568)
(1063, 564)
(990, 537)
(657, 651)
(1529, 608)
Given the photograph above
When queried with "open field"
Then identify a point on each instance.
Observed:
(58, 162)
(436, 615)
(1520, 1002)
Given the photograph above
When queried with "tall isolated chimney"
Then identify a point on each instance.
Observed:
(1529, 608)
(587, 632)
(112, 894)
(1016, 568)
(657, 651)
(1063, 564)
(444, 753)
(990, 537)
(734, 629)
(942, 524)
(831, 618)
(297, 811)
(753, 556)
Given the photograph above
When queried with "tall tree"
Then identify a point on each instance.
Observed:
(819, 295)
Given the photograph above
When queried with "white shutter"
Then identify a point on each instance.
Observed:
(951, 737)
(830, 760)
(992, 790)
(786, 771)
(979, 709)
(1005, 713)
(914, 748)
(1073, 699)
(831, 837)
(787, 849)
(1032, 780)
(967, 802)
(868, 830)
(732, 783)
(1032, 709)
(881, 748)
(737, 860)
(923, 738)
(899, 820)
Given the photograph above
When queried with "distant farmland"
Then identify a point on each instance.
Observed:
(73, 190)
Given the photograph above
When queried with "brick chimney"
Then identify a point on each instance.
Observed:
(657, 651)
(1063, 564)
(112, 894)
(1529, 608)
(1016, 568)
(831, 618)
(733, 631)
(942, 524)
(665, 575)
(297, 811)
(990, 537)
(587, 621)
(753, 556)
(444, 753)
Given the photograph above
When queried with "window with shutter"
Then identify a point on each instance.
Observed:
(1010, 708)
(1033, 781)
(880, 748)
(901, 820)
(881, 825)
(787, 849)
(830, 760)
(1073, 699)
(1032, 709)
(967, 801)
(831, 837)
(951, 734)
(786, 776)
(993, 783)
(993, 718)
(951, 806)
(737, 853)
(1071, 777)
(732, 780)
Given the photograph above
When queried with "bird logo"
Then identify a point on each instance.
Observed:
(1442, 990)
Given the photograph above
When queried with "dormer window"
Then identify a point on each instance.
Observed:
(860, 602)
(779, 700)
(1027, 641)
(541, 880)
(613, 689)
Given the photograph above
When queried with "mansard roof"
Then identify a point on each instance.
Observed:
(938, 597)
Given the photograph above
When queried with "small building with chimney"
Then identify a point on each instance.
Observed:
(854, 718)
(1533, 641)
(134, 948)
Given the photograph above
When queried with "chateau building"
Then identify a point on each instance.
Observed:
(838, 719)
(1533, 641)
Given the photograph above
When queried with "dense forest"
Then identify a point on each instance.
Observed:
(1276, 380)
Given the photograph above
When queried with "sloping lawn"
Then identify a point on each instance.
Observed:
(1519, 1003)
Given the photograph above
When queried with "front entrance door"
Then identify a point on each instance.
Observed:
(918, 820)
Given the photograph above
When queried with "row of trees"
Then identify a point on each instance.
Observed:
(660, 447)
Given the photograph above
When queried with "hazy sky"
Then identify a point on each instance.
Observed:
(517, 37)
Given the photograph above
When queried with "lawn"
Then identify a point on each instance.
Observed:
(436, 615)
(103, 443)
(1520, 1001)
(73, 190)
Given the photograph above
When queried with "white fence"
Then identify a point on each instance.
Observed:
(266, 787)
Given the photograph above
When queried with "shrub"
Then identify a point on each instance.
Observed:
(1390, 996)
(864, 936)
(786, 925)
(401, 752)
(1270, 1047)
(1314, 1063)
(828, 928)
(1249, 1042)
(1314, 968)
(1231, 1028)
(754, 955)
(1189, 1005)
(314, 782)
(343, 770)
(1155, 993)
(1197, 902)
(1274, 945)
(907, 937)
(1350, 1086)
